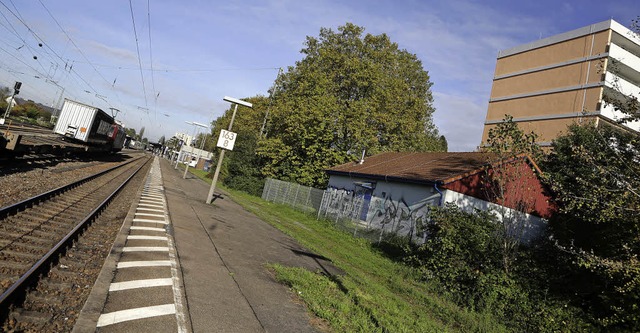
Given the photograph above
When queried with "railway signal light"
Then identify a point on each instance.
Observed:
(16, 87)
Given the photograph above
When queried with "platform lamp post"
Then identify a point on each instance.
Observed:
(222, 150)
(186, 167)
(16, 90)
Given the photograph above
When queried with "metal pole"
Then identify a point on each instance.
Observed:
(186, 165)
(217, 172)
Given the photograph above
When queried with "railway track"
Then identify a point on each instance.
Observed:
(47, 243)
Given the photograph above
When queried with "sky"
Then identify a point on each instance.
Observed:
(164, 64)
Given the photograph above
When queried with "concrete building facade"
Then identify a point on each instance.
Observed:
(568, 78)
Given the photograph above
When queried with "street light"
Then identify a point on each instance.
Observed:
(186, 167)
(233, 116)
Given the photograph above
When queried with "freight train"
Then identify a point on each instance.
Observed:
(80, 128)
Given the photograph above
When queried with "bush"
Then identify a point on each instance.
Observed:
(463, 253)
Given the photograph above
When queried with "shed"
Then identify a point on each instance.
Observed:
(394, 191)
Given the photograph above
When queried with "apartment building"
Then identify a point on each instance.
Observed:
(572, 77)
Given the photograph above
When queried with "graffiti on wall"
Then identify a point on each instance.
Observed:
(340, 203)
(384, 213)
(400, 218)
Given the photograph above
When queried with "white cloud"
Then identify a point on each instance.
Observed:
(460, 120)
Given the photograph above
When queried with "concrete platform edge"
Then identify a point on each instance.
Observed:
(92, 308)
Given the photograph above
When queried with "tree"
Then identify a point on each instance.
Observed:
(241, 168)
(141, 134)
(131, 132)
(350, 93)
(4, 93)
(594, 171)
(507, 179)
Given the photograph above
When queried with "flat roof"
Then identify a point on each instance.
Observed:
(590, 29)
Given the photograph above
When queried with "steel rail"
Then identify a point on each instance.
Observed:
(30, 202)
(11, 293)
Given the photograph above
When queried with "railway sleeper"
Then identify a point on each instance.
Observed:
(9, 268)
(40, 230)
(9, 254)
(50, 212)
(24, 225)
(35, 235)
(30, 248)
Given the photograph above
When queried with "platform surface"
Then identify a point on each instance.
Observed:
(222, 251)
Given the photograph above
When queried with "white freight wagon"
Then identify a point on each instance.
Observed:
(84, 122)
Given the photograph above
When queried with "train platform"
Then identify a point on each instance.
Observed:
(181, 265)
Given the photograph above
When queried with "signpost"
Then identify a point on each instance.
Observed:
(227, 138)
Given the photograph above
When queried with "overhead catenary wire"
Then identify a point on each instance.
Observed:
(72, 41)
(153, 82)
(135, 33)
(41, 41)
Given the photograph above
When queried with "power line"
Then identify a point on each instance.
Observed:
(72, 42)
(17, 34)
(135, 33)
(153, 82)
(167, 70)
(45, 44)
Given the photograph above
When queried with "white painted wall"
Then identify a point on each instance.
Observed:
(527, 227)
(403, 208)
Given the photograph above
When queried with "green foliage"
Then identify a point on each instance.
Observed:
(243, 172)
(242, 168)
(508, 140)
(461, 249)
(325, 298)
(508, 182)
(350, 93)
(131, 132)
(594, 172)
(386, 291)
(464, 254)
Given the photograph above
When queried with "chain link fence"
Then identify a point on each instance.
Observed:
(351, 211)
(304, 198)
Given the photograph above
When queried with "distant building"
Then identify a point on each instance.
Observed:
(186, 138)
(568, 78)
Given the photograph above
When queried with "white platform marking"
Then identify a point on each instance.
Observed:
(164, 238)
(150, 205)
(147, 228)
(150, 215)
(150, 209)
(137, 313)
(144, 263)
(150, 221)
(145, 249)
(136, 284)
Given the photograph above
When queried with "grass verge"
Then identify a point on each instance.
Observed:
(375, 294)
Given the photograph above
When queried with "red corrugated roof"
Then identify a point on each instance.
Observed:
(428, 167)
